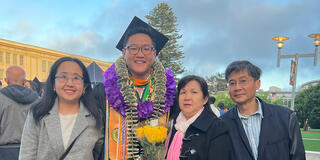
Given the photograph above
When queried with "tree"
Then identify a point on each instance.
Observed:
(163, 19)
(307, 104)
(315, 118)
(216, 83)
(278, 102)
(265, 96)
(225, 99)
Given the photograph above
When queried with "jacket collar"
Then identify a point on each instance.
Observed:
(206, 116)
(265, 110)
(267, 113)
(52, 122)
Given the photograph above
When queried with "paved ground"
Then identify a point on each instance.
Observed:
(312, 155)
(314, 139)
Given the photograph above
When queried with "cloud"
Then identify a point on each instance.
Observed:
(215, 33)
(22, 30)
(97, 38)
(87, 43)
(223, 31)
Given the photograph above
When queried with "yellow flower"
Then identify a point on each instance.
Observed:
(140, 133)
(152, 140)
(153, 134)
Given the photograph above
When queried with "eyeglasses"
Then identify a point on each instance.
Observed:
(134, 50)
(74, 79)
(242, 83)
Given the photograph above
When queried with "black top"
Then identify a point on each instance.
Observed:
(280, 136)
(206, 138)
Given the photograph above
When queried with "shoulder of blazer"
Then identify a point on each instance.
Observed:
(270, 110)
(231, 114)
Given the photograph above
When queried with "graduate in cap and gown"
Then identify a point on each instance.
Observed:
(139, 90)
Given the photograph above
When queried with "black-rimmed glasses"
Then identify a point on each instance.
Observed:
(134, 50)
(74, 79)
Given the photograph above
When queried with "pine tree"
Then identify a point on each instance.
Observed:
(163, 19)
(216, 83)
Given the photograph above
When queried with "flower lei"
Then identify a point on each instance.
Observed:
(121, 96)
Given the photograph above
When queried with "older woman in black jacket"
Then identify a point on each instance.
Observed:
(196, 133)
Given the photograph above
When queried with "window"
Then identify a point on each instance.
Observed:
(44, 66)
(21, 60)
(8, 58)
(49, 65)
(285, 102)
(1, 75)
(1, 56)
(14, 59)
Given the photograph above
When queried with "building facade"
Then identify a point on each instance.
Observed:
(34, 60)
(308, 84)
(286, 96)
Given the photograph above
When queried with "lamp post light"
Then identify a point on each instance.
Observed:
(280, 41)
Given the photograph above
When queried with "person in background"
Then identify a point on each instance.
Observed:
(39, 86)
(221, 108)
(0, 84)
(196, 133)
(30, 84)
(15, 100)
(214, 109)
(66, 123)
(258, 130)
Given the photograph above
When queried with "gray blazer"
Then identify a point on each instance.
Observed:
(44, 141)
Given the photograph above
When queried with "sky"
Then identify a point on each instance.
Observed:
(214, 32)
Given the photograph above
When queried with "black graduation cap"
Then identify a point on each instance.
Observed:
(136, 26)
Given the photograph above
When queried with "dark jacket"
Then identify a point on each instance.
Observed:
(206, 138)
(15, 100)
(280, 136)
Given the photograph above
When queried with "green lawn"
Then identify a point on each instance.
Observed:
(310, 135)
(314, 130)
(311, 145)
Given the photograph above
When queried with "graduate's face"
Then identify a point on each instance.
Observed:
(139, 64)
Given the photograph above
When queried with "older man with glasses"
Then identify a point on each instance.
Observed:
(258, 130)
(139, 90)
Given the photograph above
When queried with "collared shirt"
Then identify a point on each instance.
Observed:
(252, 125)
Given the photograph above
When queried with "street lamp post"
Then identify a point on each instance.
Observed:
(296, 56)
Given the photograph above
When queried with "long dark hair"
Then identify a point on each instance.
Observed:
(42, 108)
(100, 95)
(175, 110)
